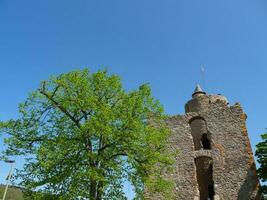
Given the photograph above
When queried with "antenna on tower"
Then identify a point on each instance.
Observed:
(202, 69)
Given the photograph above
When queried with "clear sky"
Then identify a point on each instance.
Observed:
(162, 42)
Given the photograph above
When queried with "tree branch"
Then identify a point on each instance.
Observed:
(57, 104)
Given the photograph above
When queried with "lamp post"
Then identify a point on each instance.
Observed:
(9, 176)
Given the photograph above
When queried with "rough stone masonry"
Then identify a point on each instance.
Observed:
(215, 158)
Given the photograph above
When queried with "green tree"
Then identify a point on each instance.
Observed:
(83, 135)
(261, 153)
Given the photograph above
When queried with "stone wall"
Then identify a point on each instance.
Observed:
(230, 157)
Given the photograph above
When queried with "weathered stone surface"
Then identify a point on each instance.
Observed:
(229, 168)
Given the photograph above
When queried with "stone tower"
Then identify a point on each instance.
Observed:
(215, 160)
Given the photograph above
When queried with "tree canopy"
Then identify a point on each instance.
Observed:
(261, 153)
(83, 136)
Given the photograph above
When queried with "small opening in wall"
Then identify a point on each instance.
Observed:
(211, 192)
(205, 141)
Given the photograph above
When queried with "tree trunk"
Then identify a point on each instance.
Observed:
(93, 190)
(99, 190)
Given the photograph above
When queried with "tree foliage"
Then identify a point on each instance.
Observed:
(261, 153)
(83, 135)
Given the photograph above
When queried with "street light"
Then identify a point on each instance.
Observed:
(9, 176)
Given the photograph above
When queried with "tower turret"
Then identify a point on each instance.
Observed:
(200, 100)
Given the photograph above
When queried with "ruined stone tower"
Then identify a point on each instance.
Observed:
(215, 160)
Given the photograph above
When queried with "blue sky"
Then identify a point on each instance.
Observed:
(163, 43)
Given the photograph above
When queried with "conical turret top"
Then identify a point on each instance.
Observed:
(198, 91)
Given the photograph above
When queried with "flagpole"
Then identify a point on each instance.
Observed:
(202, 69)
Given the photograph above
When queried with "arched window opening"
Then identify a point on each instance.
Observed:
(205, 178)
(198, 128)
(205, 141)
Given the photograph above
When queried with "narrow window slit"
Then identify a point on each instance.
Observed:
(205, 141)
